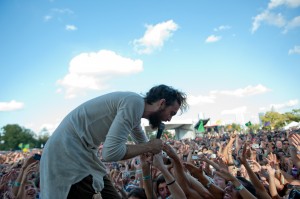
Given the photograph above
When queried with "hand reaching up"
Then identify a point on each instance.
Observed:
(158, 161)
(272, 160)
(170, 151)
(225, 174)
(294, 140)
(195, 171)
(243, 156)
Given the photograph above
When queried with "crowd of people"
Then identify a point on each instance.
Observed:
(89, 156)
(230, 165)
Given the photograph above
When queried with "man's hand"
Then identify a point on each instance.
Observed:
(156, 145)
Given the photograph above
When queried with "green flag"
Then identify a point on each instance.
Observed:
(248, 124)
(201, 127)
(20, 145)
(26, 146)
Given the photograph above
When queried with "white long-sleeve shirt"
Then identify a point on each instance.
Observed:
(70, 154)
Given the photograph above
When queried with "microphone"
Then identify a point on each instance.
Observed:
(160, 130)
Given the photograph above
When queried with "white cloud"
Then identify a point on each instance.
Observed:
(71, 27)
(238, 110)
(269, 18)
(247, 91)
(50, 127)
(289, 3)
(11, 106)
(222, 27)
(56, 13)
(194, 100)
(290, 103)
(62, 11)
(295, 50)
(212, 38)
(154, 37)
(295, 22)
(47, 18)
(91, 71)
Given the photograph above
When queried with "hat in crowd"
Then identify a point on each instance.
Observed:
(130, 187)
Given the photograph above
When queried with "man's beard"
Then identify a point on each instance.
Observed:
(155, 119)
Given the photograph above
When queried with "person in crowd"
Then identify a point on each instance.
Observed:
(167, 186)
(231, 168)
(69, 165)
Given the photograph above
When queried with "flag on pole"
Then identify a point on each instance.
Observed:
(20, 145)
(248, 124)
(26, 148)
(201, 127)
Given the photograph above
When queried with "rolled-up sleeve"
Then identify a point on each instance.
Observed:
(138, 135)
(127, 119)
(114, 147)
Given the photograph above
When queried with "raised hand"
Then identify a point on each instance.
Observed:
(158, 161)
(272, 160)
(170, 151)
(270, 170)
(225, 174)
(294, 140)
(29, 161)
(243, 156)
(193, 169)
(233, 136)
(255, 166)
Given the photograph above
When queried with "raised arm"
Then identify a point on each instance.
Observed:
(175, 189)
(236, 183)
(294, 140)
(180, 175)
(147, 178)
(259, 187)
(198, 174)
(272, 186)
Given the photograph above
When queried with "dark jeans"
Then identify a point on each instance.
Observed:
(84, 189)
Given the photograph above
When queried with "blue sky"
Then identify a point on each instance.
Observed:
(233, 58)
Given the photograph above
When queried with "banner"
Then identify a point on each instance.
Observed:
(248, 124)
(201, 127)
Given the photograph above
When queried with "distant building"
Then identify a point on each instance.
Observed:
(182, 130)
(260, 115)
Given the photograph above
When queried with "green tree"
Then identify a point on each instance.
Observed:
(276, 120)
(254, 128)
(42, 138)
(293, 116)
(233, 127)
(13, 134)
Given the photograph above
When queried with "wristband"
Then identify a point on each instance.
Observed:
(146, 177)
(239, 188)
(17, 184)
(293, 148)
(138, 171)
(208, 184)
(168, 184)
